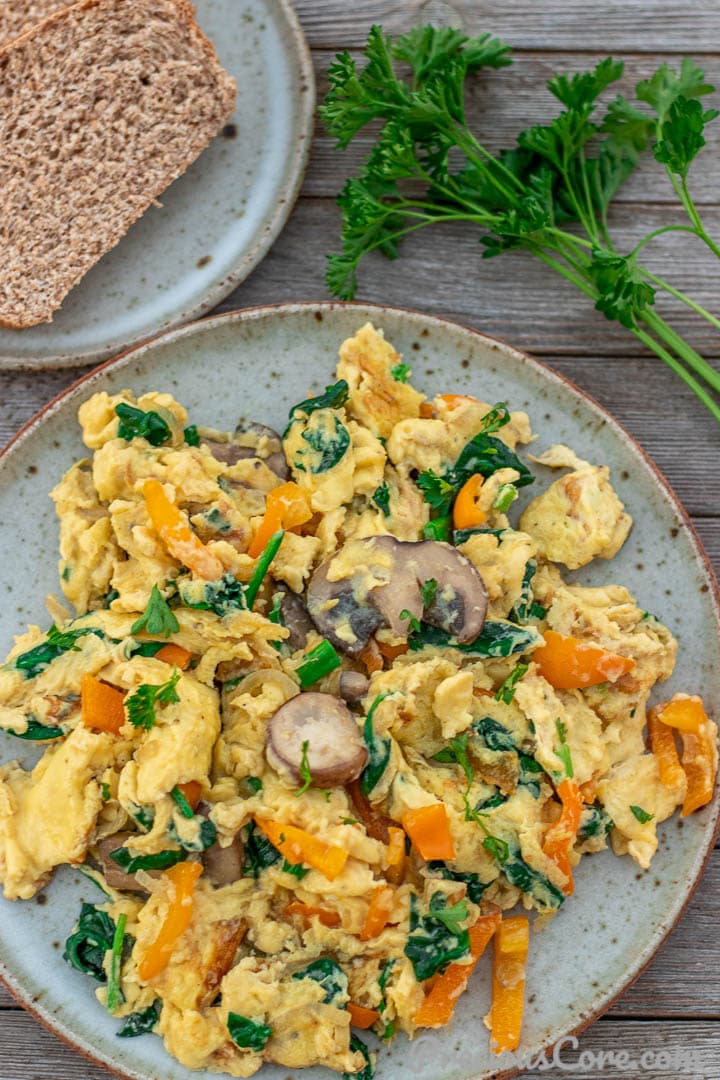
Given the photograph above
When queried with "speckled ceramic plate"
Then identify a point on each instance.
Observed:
(258, 363)
(217, 221)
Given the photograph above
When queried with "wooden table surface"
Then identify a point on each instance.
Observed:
(675, 1005)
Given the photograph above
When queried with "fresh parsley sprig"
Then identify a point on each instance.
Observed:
(157, 617)
(565, 171)
(141, 703)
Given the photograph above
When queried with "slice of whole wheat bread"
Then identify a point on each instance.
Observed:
(102, 106)
(16, 16)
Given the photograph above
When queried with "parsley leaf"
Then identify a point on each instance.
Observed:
(136, 424)
(381, 498)
(641, 815)
(563, 750)
(141, 703)
(157, 618)
(506, 691)
(401, 372)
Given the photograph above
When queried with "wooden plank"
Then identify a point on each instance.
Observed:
(660, 25)
(502, 103)
(515, 297)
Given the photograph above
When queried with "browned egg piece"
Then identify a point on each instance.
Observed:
(458, 604)
(335, 750)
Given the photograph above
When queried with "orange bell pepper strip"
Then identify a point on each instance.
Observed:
(512, 940)
(372, 657)
(391, 652)
(306, 912)
(429, 830)
(362, 1018)
(102, 706)
(174, 655)
(173, 529)
(439, 1004)
(192, 790)
(286, 507)
(699, 756)
(570, 664)
(395, 857)
(561, 835)
(300, 846)
(378, 913)
(179, 915)
(661, 740)
(466, 512)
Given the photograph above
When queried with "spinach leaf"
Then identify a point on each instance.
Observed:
(145, 816)
(486, 455)
(431, 944)
(438, 529)
(496, 639)
(144, 648)
(378, 750)
(157, 617)
(531, 881)
(526, 608)
(57, 642)
(381, 498)
(192, 436)
(132, 863)
(222, 596)
(595, 821)
(207, 835)
(492, 802)
(461, 536)
(85, 948)
(134, 423)
(36, 732)
(367, 1072)
(140, 1023)
(328, 441)
(334, 397)
(495, 735)
(260, 854)
(531, 772)
(475, 887)
(383, 981)
(246, 1033)
(328, 973)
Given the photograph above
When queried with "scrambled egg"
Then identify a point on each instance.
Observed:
(377, 666)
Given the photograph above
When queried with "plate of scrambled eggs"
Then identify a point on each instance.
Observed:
(365, 722)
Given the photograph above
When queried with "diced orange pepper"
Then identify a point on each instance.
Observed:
(699, 756)
(300, 846)
(179, 915)
(571, 664)
(378, 913)
(466, 512)
(307, 911)
(102, 706)
(391, 652)
(286, 507)
(362, 1018)
(174, 655)
(439, 1005)
(561, 835)
(427, 409)
(173, 529)
(192, 791)
(661, 739)
(372, 657)
(429, 830)
(512, 940)
(395, 855)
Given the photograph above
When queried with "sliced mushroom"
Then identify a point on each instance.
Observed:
(353, 686)
(114, 875)
(294, 616)
(249, 441)
(224, 865)
(386, 588)
(335, 751)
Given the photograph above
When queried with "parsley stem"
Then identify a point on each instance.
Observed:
(659, 232)
(683, 349)
(688, 301)
(694, 216)
(578, 282)
(253, 586)
(677, 367)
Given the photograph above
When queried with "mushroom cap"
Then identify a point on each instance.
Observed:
(245, 443)
(385, 586)
(336, 752)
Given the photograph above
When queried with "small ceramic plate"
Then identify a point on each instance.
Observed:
(258, 363)
(217, 221)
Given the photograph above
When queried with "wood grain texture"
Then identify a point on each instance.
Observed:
(675, 1005)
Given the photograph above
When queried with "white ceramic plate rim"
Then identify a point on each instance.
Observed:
(375, 312)
(296, 167)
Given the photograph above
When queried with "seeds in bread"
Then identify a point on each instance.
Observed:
(102, 106)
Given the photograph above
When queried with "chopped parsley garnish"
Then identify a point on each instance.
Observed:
(401, 372)
(136, 424)
(157, 617)
(381, 498)
(506, 691)
(563, 750)
(140, 705)
(642, 815)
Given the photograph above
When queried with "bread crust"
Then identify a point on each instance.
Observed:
(226, 98)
